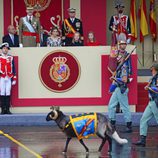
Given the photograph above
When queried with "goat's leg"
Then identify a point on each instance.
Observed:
(110, 143)
(102, 144)
(66, 146)
(81, 141)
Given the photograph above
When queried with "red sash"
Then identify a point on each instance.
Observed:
(25, 33)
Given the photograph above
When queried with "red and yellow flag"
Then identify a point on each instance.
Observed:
(143, 20)
(152, 20)
(133, 20)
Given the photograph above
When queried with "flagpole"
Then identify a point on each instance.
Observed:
(153, 51)
(143, 53)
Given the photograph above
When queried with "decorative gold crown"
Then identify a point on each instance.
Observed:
(59, 59)
(29, 7)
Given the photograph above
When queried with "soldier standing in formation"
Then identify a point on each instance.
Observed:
(29, 30)
(7, 77)
(71, 26)
(120, 25)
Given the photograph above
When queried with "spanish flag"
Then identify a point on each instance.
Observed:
(143, 20)
(133, 20)
(152, 20)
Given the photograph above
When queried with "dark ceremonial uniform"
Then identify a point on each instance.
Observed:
(120, 24)
(69, 27)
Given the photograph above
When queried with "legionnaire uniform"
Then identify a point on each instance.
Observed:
(151, 109)
(69, 27)
(29, 30)
(119, 92)
(7, 78)
(120, 25)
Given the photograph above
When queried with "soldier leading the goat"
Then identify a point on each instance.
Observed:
(81, 126)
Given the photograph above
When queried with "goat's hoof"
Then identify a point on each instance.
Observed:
(87, 152)
(109, 152)
(99, 154)
(64, 152)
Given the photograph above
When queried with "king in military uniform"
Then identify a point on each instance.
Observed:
(70, 26)
(29, 29)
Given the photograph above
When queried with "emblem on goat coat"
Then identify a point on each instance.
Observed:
(59, 71)
(84, 125)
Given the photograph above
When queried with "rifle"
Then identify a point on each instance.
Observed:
(151, 80)
(153, 92)
(122, 63)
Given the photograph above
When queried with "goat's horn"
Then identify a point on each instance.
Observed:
(55, 115)
(57, 108)
(52, 107)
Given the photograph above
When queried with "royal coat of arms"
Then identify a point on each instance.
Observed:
(59, 71)
(39, 5)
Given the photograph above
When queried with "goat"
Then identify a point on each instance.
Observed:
(104, 129)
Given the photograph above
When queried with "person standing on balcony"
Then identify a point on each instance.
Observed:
(70, 26)
(29, 30)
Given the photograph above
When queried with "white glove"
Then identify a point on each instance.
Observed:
(128, 41)
(13, 83)
(38, 44)
(21, 45)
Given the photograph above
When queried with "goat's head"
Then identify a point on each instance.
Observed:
(53, 115)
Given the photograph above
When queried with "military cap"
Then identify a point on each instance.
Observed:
(155, 66)
(4, 45)
(119, 6)
(71, 10)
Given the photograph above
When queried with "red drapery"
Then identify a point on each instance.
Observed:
(19, 9)
(93, 15)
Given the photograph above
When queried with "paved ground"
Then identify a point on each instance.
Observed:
(49, 143)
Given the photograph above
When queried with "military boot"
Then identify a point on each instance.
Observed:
(141, 142)
(7, 101)
(3, 108)
(128, 128)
